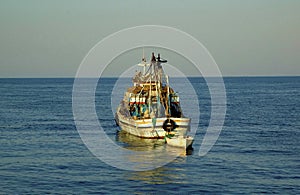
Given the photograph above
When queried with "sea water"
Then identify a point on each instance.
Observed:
(257, 151)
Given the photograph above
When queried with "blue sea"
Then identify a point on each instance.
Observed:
(258, 150)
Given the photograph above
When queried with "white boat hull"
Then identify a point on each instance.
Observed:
(144, 128)
(180, 141)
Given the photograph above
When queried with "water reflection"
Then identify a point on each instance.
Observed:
(162, 175)
(131, 142)
(134, 143)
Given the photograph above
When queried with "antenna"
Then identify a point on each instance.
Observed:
(143, 63)
(143, 58)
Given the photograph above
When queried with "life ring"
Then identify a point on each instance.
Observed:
(169, 125)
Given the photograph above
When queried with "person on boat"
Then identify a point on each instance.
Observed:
(144, 109)
(153, 59)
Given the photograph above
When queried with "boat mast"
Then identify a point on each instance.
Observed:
(150, 94)
(168, 95)
(156, 74)
(150, 91)
(144, 61)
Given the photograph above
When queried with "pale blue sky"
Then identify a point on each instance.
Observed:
(50, 38)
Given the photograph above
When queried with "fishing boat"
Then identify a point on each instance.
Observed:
(151, 107)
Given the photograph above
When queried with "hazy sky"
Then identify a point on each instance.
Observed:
(49, 38)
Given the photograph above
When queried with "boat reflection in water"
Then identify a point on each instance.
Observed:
(132, 142)
(161, 175)
(148, 153)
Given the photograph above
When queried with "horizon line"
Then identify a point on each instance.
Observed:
(189, 76)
